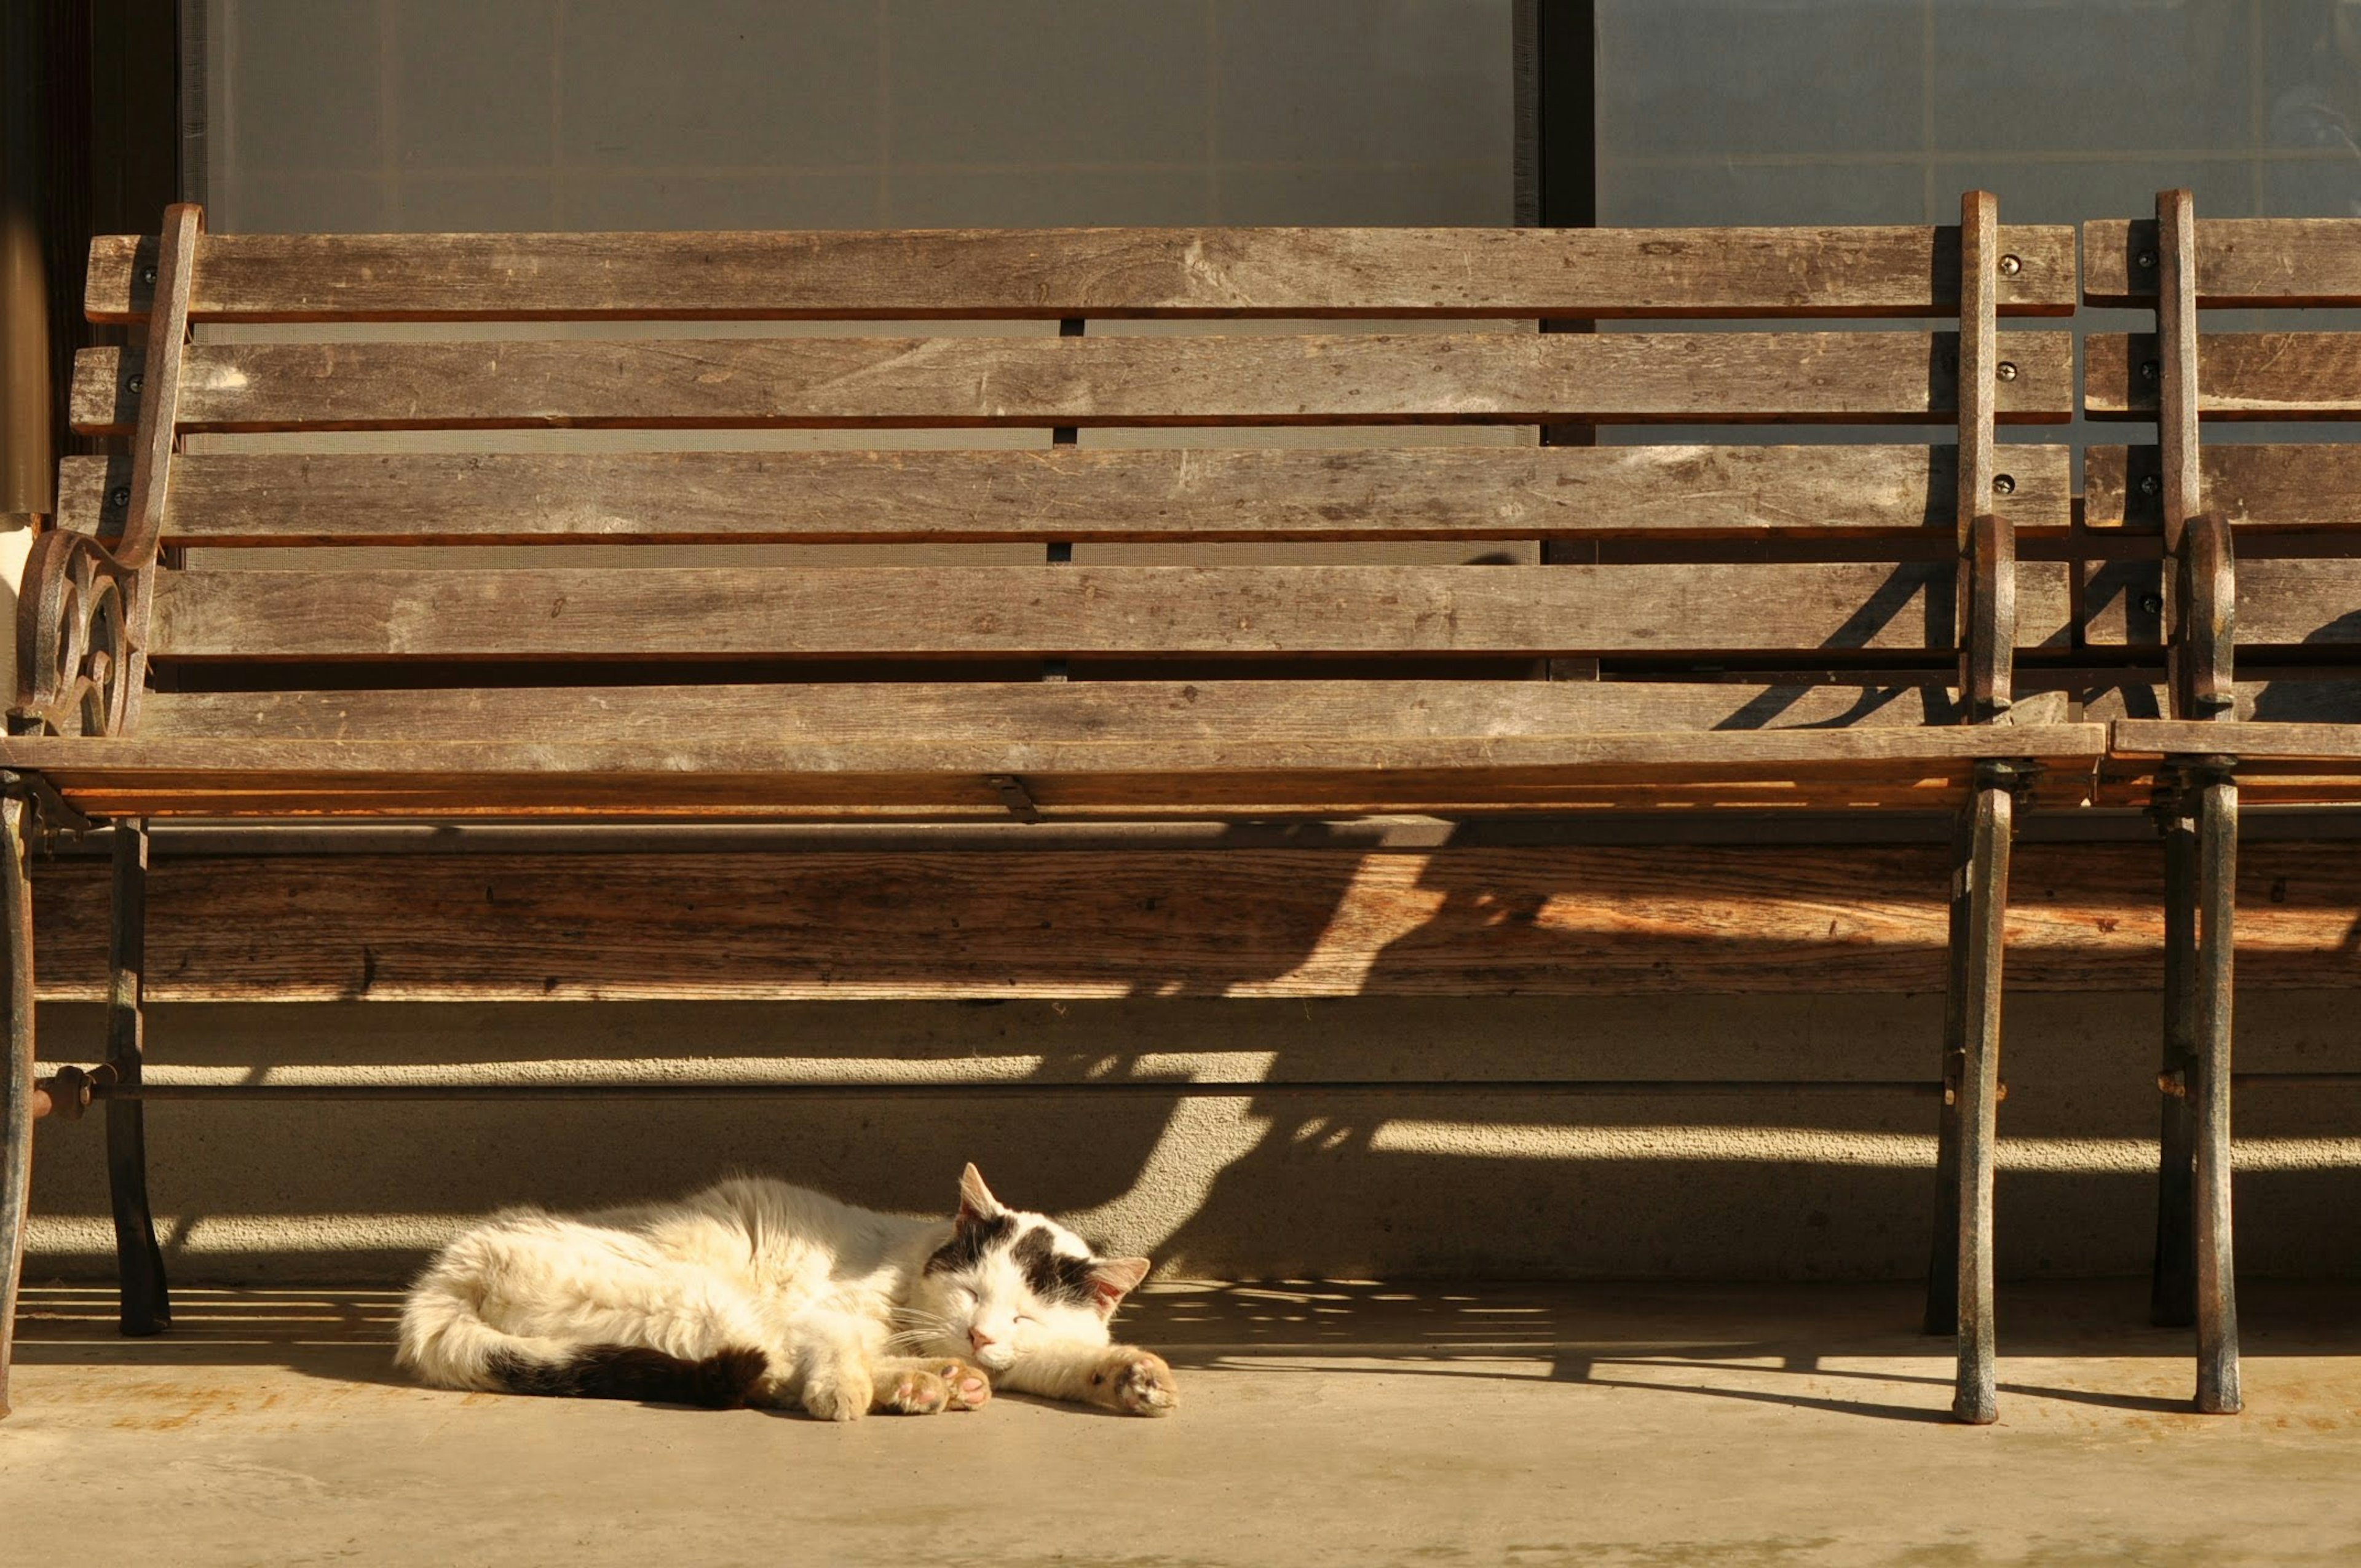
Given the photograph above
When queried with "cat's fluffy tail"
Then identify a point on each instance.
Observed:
(723, 1381)
(445, 1341)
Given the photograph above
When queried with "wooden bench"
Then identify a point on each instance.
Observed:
(1835, 625)
(2262, 697)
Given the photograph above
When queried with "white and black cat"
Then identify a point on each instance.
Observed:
(754, 1292)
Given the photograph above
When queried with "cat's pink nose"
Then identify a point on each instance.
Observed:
(980, 1341)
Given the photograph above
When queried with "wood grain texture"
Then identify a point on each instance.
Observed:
(1325, 711)
(1064, 493)
(2280, 603)
(2178, 375)
(2338, 743)
(1608, 754)
(2275, 485)
(2314, 696)
(1048, 274)
(153, 445)
(702, 612)
(968, 382)
(2240, 261)
(1530, 921)
(2241, 375)
(929, 778)
(1977, 398)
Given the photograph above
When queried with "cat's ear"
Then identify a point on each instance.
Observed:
(976, 1202)
(1113, 1279)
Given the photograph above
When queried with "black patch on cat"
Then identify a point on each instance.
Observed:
(970, 1239)
(1054, 1275)
(723, 1381)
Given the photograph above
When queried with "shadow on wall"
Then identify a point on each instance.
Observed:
(1328, 1183)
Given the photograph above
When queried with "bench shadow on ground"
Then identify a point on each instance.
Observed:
(1308, 1151)
(1838, 1349)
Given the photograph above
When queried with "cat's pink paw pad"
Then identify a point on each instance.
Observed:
(969, 1388)
(1138, 1383)
(918, 1393)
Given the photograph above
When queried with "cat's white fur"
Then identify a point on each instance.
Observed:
(849, 1310)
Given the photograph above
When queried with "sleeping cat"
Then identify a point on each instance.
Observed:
(754, 1292)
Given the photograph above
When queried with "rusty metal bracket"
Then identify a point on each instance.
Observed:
(81, 657)
(72, 1090)
(2015, 775)
(52, 811)
(2204, 644)
(1988, 650)
(2180, 779)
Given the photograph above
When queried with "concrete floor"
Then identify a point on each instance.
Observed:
(1327, 1423)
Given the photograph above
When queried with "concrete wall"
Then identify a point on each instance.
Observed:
(407, 113)
(1324, 1185)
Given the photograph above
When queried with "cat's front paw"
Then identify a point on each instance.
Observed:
(969, 1388)
(839, 1394)
(1137, 1383)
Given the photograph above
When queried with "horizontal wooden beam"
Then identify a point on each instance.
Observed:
(1534, 920)
(2240, 261)
(1368, 712)
(666, 612)
(1063, 493)
(2259, 742)
(1882, 376)
(2240, 375)
(1048, 274)
(923, 778)
(2290, 485)
(2283, 603)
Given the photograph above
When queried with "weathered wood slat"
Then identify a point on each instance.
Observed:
(929, 778)
(2178, 375)
(969, 382)
(2291, 484)
(2312, 697)
(2240, 261)
(2240, 375)
(1064, 493)
(703, 612)
(2280, 603)
(869, 800)
(1048, 274)
(2338, 743)
(1720, 753)
(1536, 920)
(1333, 711)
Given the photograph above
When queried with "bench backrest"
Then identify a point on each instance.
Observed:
(2265, 628)
(1833, 562)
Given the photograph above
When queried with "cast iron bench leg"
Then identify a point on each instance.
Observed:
(16, 1080)
(147, 1309)
(2172, 1294)
(2217, 1304)
(1943, 1258)
(1985, 874)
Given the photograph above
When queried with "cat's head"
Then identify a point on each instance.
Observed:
(1008, 1280)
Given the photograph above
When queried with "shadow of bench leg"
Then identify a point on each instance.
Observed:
(1992, 815)
(2217, 1299)
(15, 1073)
(139, 1262)
(2172, 1294)
(1943, 1257)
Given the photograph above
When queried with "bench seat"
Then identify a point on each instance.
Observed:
(440, 527)
(1101, 748)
